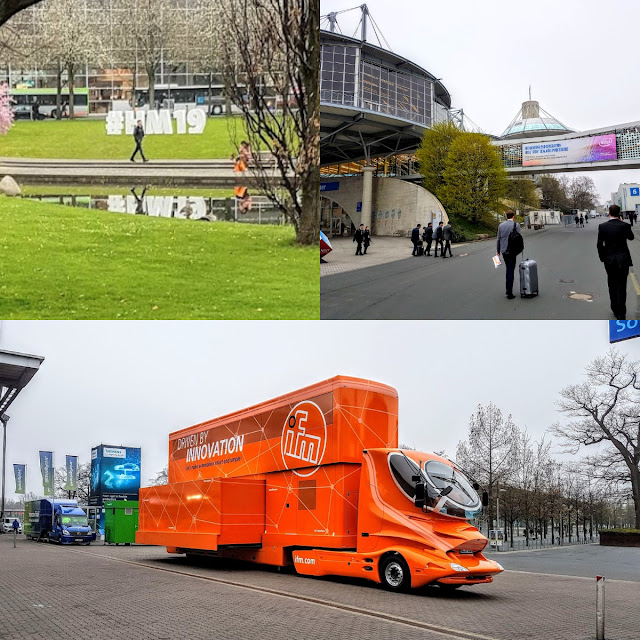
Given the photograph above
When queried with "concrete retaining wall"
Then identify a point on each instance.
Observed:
(397, 206)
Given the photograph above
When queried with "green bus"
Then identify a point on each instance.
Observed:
(23, 101)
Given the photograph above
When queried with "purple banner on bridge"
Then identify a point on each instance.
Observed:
(574, 150)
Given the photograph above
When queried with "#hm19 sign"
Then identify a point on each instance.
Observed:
(154, 122)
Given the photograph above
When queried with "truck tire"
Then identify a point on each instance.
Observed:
(394, 573)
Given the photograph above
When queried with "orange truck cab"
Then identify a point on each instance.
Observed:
(315, 480)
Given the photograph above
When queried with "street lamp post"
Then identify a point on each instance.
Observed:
(4, 418)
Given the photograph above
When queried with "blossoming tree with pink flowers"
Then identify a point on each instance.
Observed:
(6, 114)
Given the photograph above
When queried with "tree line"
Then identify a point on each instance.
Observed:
(551, 497)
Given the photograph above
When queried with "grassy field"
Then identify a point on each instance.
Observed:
(63, 262)
(87, 139)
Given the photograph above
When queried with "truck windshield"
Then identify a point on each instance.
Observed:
(448, 491)
(461, 499)
(74, 521)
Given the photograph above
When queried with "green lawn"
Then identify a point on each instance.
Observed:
(87, 139)
(64, 262)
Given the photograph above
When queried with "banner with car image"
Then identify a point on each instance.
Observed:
(115, 474)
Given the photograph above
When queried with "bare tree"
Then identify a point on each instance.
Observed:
(583, 193)
(161, 477)
(154, 26)
(270, 57)
(488, 453)
(606, 412)
(84, 477)
(199, 43)
(69, 42)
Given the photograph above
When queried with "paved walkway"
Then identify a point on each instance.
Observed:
(382, 251)
(51, 592)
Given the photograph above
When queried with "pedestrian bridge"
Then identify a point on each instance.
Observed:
(603, 149)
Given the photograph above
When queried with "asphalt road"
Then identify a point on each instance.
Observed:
(584, 560)
(51, 592)
(469, 287)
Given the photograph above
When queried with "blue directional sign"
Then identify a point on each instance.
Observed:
(329, 186)
(623, 330)
(634, 191)
(359, 207)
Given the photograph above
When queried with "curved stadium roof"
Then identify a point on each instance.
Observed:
(352, 129)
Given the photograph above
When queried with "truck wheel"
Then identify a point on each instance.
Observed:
(394, 573)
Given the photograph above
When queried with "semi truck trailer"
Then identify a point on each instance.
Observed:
(315, 480)
(59, 521)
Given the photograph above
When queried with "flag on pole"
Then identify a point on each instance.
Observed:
(20, 472)
(46, 468)
(72, 473)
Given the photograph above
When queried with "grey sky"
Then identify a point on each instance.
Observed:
(581, 66)
(132, 383)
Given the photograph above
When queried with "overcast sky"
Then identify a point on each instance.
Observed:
(132, 383)
(579, 56)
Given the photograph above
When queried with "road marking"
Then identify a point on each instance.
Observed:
(444, 631)
(562, 575)
(636, 286)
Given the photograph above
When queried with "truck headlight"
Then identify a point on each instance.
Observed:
(65, 532)
(500, 566)
(457, 567)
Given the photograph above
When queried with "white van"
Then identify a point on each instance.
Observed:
(7, 525)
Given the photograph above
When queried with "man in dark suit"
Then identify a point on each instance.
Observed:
(438, 234)
(447, 236)
(427, 236)
(358, 237)
(614, 252)
(415, 238)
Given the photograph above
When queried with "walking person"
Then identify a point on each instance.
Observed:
(138, 135)
(358, 237)
(415, 238)
(439, 239)
(509, 253)
(447, 236)
(577, 219)
(427, 236)
(367, 238)
(581, 220)
(614, 253)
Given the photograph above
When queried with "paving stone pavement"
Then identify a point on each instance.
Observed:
(99, 591)
(383, 249)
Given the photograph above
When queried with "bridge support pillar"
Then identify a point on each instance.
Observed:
(366, 217)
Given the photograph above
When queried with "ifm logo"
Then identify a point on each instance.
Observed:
(304, 437)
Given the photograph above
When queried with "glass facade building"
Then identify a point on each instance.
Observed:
(117, 69)
(358, 75)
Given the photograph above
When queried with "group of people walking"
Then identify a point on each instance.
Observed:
(363, 237)
(442, 235)
(580, 220)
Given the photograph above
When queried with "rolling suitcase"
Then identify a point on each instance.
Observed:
(420, 250)
(528, 279)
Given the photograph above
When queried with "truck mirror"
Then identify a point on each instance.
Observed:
(420, 495)
(485, 499)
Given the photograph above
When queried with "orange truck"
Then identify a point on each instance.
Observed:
(314, 479)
